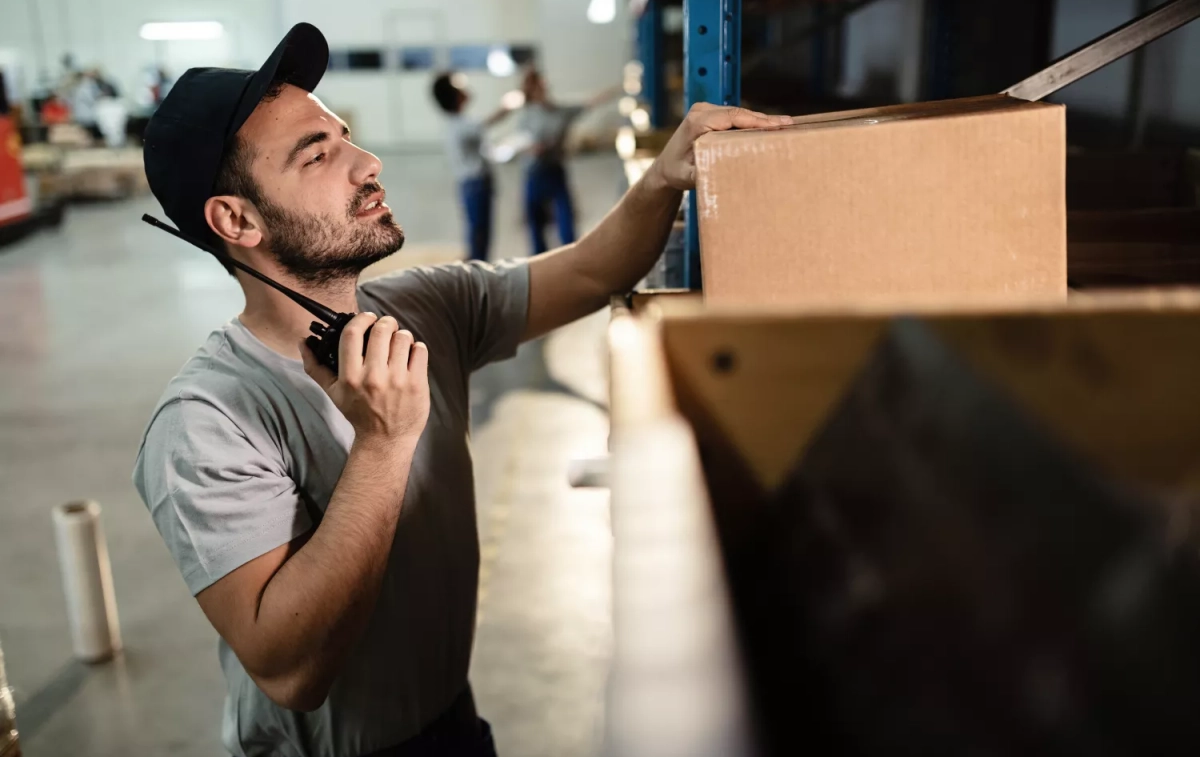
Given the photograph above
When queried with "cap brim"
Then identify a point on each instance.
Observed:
(300, 59)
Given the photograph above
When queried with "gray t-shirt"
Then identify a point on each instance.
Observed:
(241, 456)
(464, 147)
(548, 124)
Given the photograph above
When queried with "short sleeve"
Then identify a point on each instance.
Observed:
(216, 500)
(487, 303)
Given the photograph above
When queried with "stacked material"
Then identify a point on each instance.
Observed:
(104, 173)
(87, 173)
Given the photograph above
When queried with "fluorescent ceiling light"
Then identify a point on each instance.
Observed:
(173, 30)
(602, 11)
(500, 63)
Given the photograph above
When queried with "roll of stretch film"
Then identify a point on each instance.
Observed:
(8, 717)
(87, 581)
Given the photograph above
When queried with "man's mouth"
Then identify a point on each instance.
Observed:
(374, 205)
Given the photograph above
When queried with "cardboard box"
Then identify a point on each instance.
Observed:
(868, 522)
(958, 196)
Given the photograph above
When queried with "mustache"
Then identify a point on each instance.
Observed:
(360, 197)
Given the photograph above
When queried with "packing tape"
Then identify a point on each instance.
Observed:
(87, 581)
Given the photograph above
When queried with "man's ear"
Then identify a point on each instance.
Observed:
(234, 220)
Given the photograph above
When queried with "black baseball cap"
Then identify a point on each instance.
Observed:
(188, 134)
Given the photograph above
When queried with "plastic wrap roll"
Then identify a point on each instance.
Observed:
(8, 718)
(87, 581)
(9, 746)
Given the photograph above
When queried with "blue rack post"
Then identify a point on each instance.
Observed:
(712, 60)
(650, 53)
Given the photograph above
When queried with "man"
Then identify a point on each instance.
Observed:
(464, 147)
(546, 185)
(326, 524)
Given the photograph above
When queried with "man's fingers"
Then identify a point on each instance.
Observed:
(418, 361)
(319, 373)
(714, 118)
(350, 347)
(401, 343)
(379, 343)
(749, 119)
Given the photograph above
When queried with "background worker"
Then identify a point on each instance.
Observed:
(546, 183)
(465, 138)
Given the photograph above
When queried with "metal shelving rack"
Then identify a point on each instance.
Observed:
(651, 54)
(712, 64)
(678, 687)
(712, 61)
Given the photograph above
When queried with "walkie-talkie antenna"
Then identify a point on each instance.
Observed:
(312, 306)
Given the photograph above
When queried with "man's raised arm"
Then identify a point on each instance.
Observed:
(573, 281)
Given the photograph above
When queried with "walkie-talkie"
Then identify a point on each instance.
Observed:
(325, 337)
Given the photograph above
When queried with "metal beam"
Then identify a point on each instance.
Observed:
(650, 53)
(1112, 46)
(712, 58)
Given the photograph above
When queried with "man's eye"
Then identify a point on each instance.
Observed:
(317, 159)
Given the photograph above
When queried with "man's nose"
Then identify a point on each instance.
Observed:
(367, 167)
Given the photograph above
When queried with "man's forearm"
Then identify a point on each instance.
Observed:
(626, 244)
(611, 258)
(497, 116)
(319, 601)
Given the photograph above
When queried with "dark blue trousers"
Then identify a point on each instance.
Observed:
(546, 188)
(477, 196)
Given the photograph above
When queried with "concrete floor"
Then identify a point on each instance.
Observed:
(100, 314)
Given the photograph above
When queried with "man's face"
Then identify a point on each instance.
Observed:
(320, 197)
(534, 88)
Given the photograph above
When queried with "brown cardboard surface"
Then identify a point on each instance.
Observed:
(1108, 374)
(958, 197)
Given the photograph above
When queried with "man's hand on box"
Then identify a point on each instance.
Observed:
(676, 166)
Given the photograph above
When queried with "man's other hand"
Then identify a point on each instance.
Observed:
(676, 166)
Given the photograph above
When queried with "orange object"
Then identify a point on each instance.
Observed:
(15, 205)
(55, 111)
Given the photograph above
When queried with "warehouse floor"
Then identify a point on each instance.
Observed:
(100, 314)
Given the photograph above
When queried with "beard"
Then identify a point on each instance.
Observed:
(320, 249)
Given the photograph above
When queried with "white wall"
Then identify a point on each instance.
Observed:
(394, 108)
(105, 33)
(580, 58)
(389, 109)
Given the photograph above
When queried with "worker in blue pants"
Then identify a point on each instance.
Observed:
(546, 185)
(465, 137)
